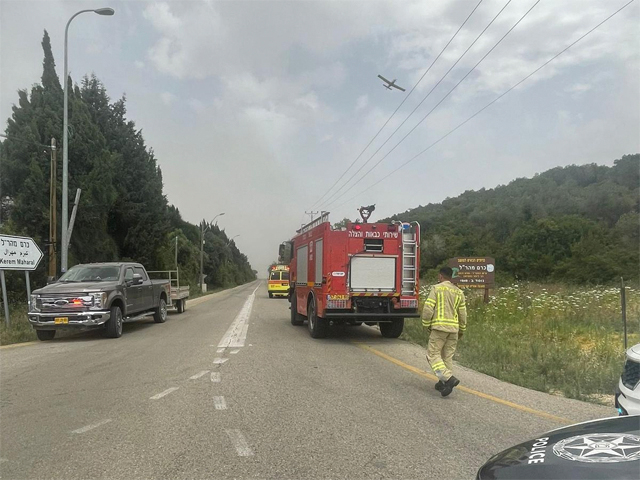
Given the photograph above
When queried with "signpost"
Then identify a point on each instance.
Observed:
(474, 272)
(17, 253)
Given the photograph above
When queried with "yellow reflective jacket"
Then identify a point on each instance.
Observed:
(445, 309)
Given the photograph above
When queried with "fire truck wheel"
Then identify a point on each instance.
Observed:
(318, 327)
(270, 295)
(392, 329)
(296, 318)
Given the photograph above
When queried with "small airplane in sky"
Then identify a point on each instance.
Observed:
(390, 83)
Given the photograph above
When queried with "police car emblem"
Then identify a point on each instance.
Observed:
(599, 448)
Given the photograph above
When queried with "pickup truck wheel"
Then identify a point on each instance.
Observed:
(392, 329)
(318, 327)
(114, 325)
(180, 306)
(45, 334)
(296, 318)
(160, 314)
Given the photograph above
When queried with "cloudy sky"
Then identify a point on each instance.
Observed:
(256, 108)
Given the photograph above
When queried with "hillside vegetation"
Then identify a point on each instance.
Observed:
(123, 212)
(576, 224)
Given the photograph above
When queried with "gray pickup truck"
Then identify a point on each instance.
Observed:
(98, 295)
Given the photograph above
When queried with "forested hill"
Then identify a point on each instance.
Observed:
(123, 213)
(577, 224)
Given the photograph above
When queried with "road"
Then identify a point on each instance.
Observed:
(230, 389)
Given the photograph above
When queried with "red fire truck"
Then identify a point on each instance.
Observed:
(364, 272)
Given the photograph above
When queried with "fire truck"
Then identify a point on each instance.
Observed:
(362, 273)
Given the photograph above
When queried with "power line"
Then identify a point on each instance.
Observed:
(419, 104)
(442, 100)
(398, 107)
(493, 101)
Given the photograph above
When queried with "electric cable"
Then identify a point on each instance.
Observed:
(398, 107)
(440, 102)
(331, 198)
(491, 103)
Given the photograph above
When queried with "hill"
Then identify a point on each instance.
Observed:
(577, 224)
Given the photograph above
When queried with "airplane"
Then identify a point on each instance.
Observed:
(390, 83)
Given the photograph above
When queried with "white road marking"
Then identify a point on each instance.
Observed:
(220, 350)
(237, 333)
(162, 394)
(240, 443)
(234, 351)
(219, 403)
(91, 427)
(215, 377)
(199, 374)
(219, 361)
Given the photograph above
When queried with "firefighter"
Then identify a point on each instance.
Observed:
(445, 317)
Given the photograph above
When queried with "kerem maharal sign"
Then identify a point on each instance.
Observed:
(473, 272)
(19, 253)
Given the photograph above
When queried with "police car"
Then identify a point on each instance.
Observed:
(608, 448)
(628, 391)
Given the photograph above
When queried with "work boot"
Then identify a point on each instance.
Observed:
(439, 386)
(448, 386)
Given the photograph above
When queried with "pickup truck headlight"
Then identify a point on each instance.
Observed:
(99, 300)
(33, 304)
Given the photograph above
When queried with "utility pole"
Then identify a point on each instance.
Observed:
(201, 256)
(311, 214)
(53, 208)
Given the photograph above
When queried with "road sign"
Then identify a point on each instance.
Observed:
(19, 253)
(473, 272)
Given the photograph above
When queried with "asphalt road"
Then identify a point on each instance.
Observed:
(230, 389)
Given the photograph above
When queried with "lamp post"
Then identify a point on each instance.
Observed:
(202, 230)
(65, 144)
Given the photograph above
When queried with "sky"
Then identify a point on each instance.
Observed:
(256, 108)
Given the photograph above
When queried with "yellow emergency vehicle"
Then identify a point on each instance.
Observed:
(278, 283)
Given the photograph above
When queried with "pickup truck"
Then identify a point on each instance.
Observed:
(98, 295)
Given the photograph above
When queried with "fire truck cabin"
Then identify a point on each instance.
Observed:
(364, 272)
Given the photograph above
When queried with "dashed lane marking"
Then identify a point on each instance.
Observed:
(199, 374)
(233, 352)
(219, 361)
(486, 396)
(162, 394)
(220, 403)
(91, 427)
(237, 333)
(239, 442)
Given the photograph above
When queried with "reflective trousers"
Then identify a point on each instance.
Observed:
(442, 346)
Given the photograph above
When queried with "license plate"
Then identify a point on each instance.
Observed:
(338, 297)
(60, 320)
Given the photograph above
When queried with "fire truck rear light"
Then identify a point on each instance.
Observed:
(336, 303)
(357, 227)
(408, 303)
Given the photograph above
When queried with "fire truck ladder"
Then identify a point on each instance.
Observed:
(409, 247)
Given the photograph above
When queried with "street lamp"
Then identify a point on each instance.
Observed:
(202, 230)
(65, 144)
(231, 240)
